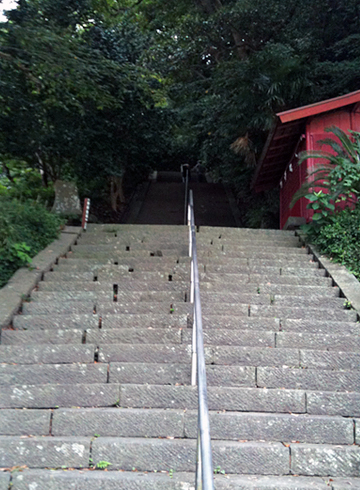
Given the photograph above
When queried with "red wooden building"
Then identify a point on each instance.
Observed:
(294, 131)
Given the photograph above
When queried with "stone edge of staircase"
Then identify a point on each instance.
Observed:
(25, 279)
(346, 282)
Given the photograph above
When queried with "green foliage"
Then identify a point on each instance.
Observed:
(19, 181)
(102, 465)
(339, 238)
(25, 229)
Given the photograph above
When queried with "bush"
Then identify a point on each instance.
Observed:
(25, 229)
(339, 238)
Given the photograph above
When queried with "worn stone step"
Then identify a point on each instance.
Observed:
(145, 276)
(308, 379)
(321, 359)
(252, 356)
(162, 454)
(346, 404)
(104, 307)
(262, 298)
(104, 480)
(152, 373)
(47, 395)
(325, 460)
(167, 373)
(92, 321)
(225, 263)
(131, 286)
(145, 353)
(25, 422)
(273, 427)
(320, 327)
(252, 278)
(169, 335)
(240, 253)
(275, 311)
(44, 452)
(93, 480)
(287, 270)
(115, 422)
(46, 354)
(234, 232)
(24, 337)
(176, 246)
(284, 241)
(106, 295)
(52, 373)
(129, 260)
(123, 268)
(227, 336)
(240, 250)
(318, 341)
(229, 398)
(145, 251)
(277, 289)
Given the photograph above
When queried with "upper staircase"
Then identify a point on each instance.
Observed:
(95, 372)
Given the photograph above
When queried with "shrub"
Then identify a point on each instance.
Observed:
(25, 229)
(339, 238)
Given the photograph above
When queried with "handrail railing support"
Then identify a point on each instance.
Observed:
(204, 479)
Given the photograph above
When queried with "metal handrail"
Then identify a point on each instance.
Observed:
(204, 467)
(186, 194)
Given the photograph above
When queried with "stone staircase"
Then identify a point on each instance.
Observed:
(95, 374)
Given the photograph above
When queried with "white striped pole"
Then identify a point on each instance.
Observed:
(85, 213)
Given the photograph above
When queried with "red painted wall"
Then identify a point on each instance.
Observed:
(315, 131)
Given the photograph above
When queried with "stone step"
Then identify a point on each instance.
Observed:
(115, 422)
(44, 452)
(239, 250)
(173, 374)
(179, 247)
(235, 232)
(303, 261)
(262, 298)
(104, 480)
(162, 454)
(121, 268)
(321, 327)
(125, 258)
(130, 286)
(251, 278)
(24, 337)
(93, 321)
(108, 295)
(244, 399)
(93, 480)
(148, 251)
(57, 395)
(105, 307)
(53, 373)
(319, 341)
(145, 353)
(275, 311)
(264, 288)
(119, 276)
(308, 271)
(308, 379)
(168, 335)
(225, 336)
(46, 354)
